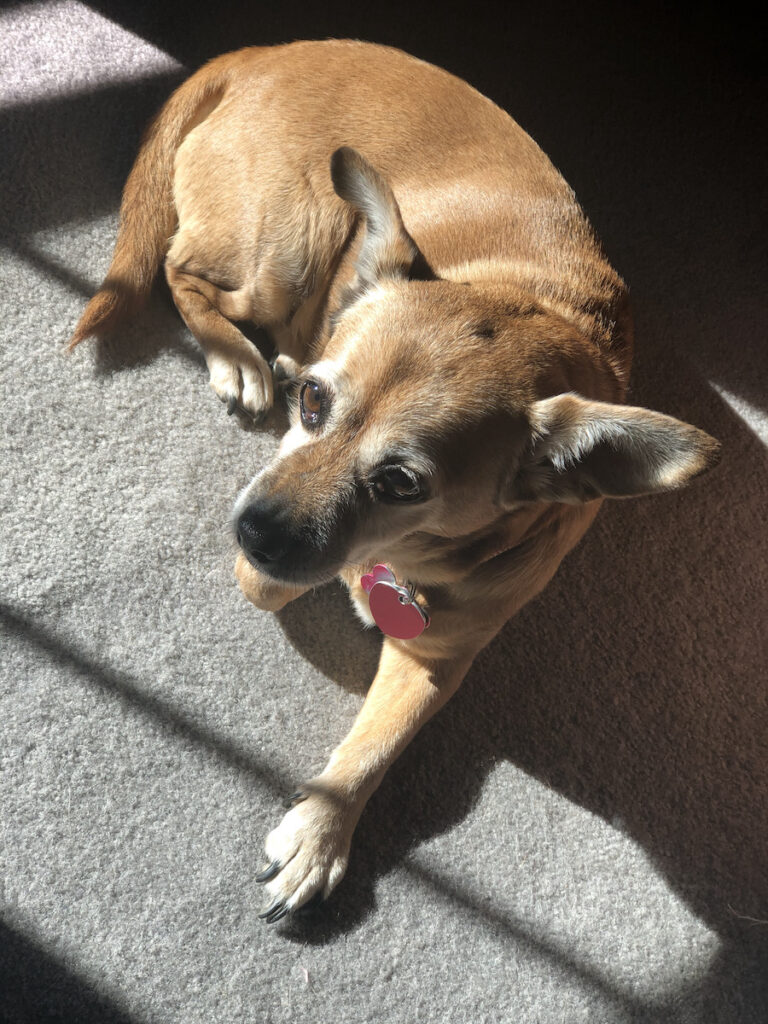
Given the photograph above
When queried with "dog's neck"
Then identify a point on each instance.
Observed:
(426, 559)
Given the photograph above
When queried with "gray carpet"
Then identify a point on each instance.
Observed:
(581, 835)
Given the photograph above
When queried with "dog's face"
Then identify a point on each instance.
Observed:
(437, 408)
(407, 425)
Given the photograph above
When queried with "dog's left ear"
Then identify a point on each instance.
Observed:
(583, 450)
(387, 249)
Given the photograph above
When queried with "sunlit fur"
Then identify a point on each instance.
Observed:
(412, 250)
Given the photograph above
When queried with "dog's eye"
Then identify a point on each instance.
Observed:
(311, 403)
(394, 483)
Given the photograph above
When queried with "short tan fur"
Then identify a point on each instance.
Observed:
(461, 350)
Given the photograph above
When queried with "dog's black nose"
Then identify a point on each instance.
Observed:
(260, 535)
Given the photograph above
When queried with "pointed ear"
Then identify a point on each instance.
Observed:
(583, 450)
(387, 249)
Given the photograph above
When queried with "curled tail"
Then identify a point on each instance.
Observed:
(147, 211)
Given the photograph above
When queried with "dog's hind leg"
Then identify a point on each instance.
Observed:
(239, 374)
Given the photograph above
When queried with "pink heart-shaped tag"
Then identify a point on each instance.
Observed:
(403, 621)
(378, 574)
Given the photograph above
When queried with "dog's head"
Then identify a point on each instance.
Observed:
(437, 408)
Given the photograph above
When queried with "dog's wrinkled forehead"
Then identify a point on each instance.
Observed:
(409, 363)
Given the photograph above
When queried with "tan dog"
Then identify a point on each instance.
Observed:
(460, 346)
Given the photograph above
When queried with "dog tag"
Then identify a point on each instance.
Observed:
(393, 608)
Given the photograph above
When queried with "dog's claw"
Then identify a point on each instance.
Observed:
(246, 417)
(279, 374)
(269, 872)
(284, 369)
(276, 912)
(278, 915)
(294, 798)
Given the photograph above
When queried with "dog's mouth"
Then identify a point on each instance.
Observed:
(295, 547)
(292, 565)
(290, 575)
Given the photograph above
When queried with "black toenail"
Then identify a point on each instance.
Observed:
(269, 872)
(278, 910)
(294, 798)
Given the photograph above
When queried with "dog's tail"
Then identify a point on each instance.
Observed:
(147, 211)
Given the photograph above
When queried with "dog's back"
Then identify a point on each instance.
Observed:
(251, 135)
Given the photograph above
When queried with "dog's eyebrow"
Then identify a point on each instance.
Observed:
(380, 447)
(326, 371)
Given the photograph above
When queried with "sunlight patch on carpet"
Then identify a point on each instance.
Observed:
(64, 48)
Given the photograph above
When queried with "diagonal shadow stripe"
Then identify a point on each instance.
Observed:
(129, 691)
(547, 950)
(66, 159)
(736, 977)
(53, 268)
(36, 988)
(170, 719)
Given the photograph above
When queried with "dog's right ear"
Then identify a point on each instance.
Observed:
(387, 250)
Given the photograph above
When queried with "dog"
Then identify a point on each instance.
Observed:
(458, 349)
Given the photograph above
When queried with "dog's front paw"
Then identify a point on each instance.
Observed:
(309, 850)
(244, 384)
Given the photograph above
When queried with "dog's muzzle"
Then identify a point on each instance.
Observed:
(287, 551)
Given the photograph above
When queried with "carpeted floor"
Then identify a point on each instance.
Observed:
(581, 835)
